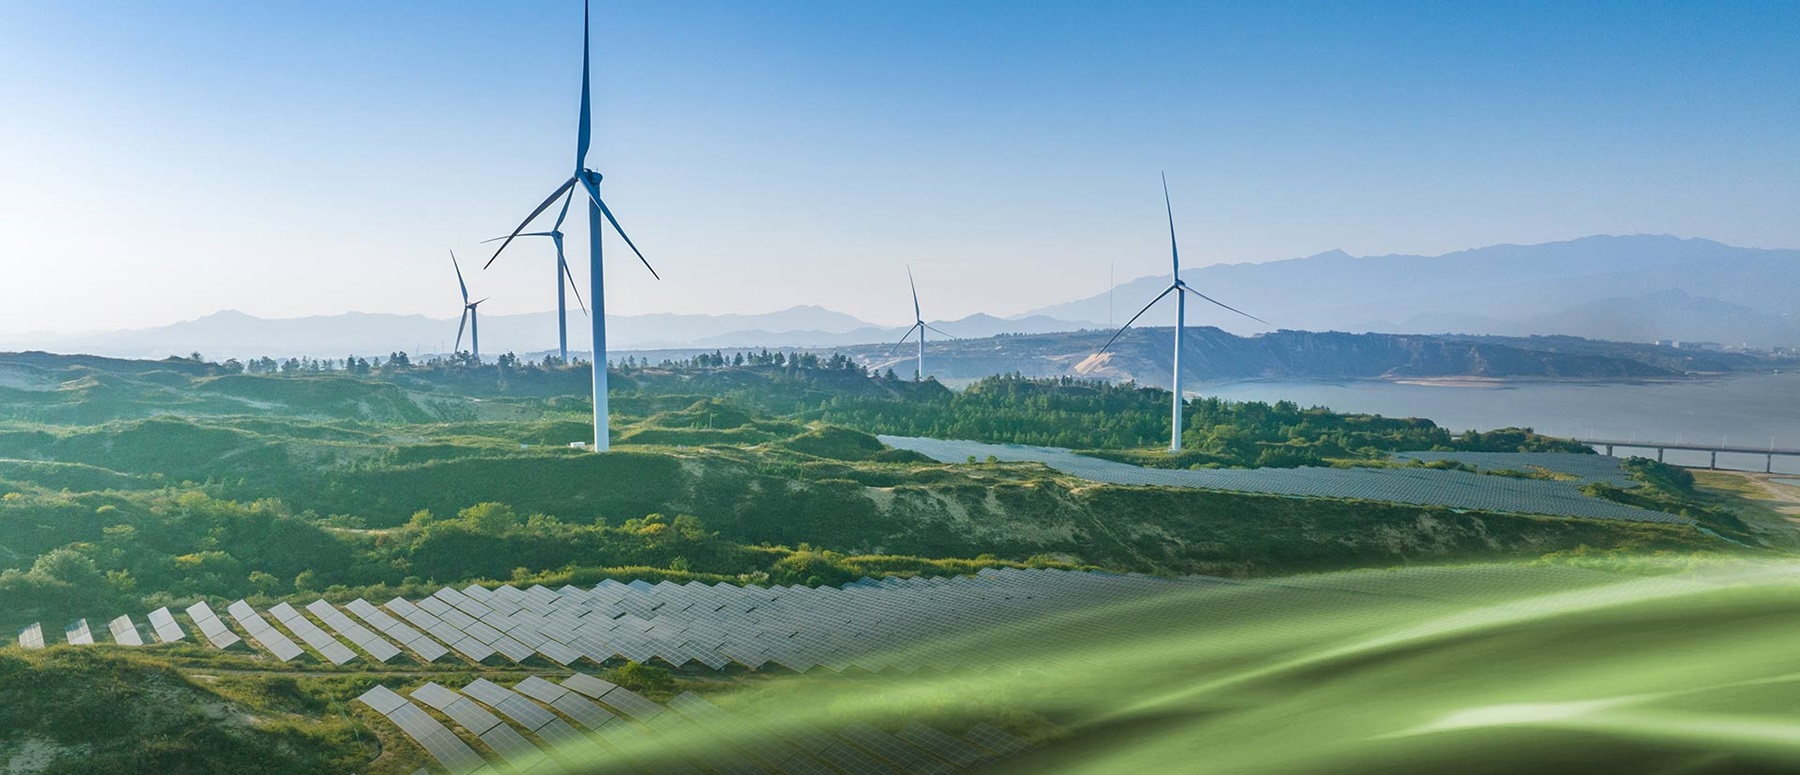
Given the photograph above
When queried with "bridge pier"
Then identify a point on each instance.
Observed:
(1769, 464)
(1714, 465)
(1609, 450)
(1659, 453)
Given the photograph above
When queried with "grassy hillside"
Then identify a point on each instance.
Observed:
(268, 485)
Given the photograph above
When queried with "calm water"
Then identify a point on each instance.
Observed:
(1751, 411)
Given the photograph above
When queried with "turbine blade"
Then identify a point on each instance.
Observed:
(585, 127)
(1121, 331)
(935, 328)
(459, 280)
(520, 234)
(573, 286)
(459, 331)
(594, 194)
(1226, 306)
(909, 333)
(1174, 253)
(563, 213)
(560, 190)
(917, 316)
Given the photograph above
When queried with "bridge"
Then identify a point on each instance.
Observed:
(1769, 453)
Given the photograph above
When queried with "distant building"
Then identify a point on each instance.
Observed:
(1709, 346)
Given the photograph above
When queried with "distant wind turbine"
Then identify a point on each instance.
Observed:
(589, 183)
(562, 272)
(1177, 287)
(919, 325)
(469, 320)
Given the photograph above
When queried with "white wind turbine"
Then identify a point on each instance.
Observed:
(469, 319)
(562, 272)
(589, 183)
(1178, 287)
(919, 325)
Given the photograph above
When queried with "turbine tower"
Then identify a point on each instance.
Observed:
(1178, 288)
(588, 182)
(562, 272)
(469, 320)
(918, 325)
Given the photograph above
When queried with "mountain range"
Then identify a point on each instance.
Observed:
(1638, 288)
(1632, 288)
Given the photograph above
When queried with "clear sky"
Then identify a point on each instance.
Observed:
(162, 161)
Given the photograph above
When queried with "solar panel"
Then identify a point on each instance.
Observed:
(124, 632)
(163, 622)
(32, 637)
(77, 633)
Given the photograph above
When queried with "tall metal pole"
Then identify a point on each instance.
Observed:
(596, 291)
(921, 375)
(1180, 323)
(475, 333)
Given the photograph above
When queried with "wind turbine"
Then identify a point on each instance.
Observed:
(1178, 288)
(562, 271)
(469, 315)
(589, 183)
(918, 325)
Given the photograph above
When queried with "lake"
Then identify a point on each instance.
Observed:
(1749, 410)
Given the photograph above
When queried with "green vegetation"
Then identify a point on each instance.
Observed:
(405, 478)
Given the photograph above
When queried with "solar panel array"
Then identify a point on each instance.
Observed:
(595, 723)
(869, 625)
(1421, 486)
(431, 735)
(1585, 468)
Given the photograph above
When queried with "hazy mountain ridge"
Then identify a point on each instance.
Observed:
(1627, 288)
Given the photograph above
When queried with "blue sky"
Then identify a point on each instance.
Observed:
(161, 162)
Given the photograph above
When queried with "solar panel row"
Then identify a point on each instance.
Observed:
(211, 626)
(371, 644)
(869, 625)
(414, 641)
(737, 745)
(437, 740)
(262, 633)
